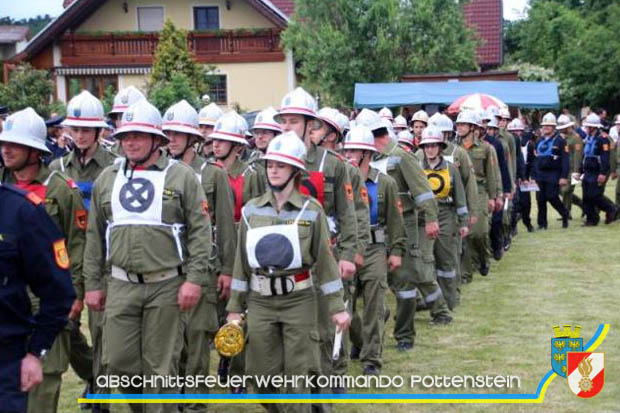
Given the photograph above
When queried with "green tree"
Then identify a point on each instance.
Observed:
(29, 87)
(340, 42)
(176, 75)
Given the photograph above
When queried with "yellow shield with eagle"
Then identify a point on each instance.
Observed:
(439, 181)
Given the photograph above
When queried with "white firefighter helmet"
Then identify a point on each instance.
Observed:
(468, 116)
(516, 124)
(27, 128)
(330, 116)
(593, 121)
(617, 120)
(230, 127)
(141, 117)
(386, 113)
(182, 117)
(493, 123)
(564, 122)
(265, 120)
(209, 114)
(504, 113)
(387, 124)
(486, 114)
(432, 134)
(125, 98)
(441, 122)
(297, 102)
(287, 148)
(360, 137)
(492, 111)
(420, 116)
(404, 136)
(343, 122)
(370, 119)
(85, 110)
(400, 122)
(549, 120)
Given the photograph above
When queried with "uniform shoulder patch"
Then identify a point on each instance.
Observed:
(205, 208)
(364, 194)
(60, 254)
(348, 188)
(34, 198)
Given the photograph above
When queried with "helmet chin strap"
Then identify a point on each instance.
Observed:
(222, 158)
(188, 144)
(280, 188)
(26, 163)
(141, 160)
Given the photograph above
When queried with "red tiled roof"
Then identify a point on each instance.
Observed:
(286, 6)
(13, 34)
(485, 17)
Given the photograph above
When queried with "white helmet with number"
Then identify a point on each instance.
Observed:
(564, 122)
(209, 114)
(386, 113)
(141, 117)
(330, 116)
(287, 148)
(125, 98)
(516, 124)
(468, 116)
(182, 117)
(549, 120)
(432, 134)
(404, 136)
(420, 116)
(297, 102)
(27, 128)
(504, 113)
(360, 137)
(86, 111)
(265, 120)
(400, 122)
(230, 127)
(593, 121)
(370, 119)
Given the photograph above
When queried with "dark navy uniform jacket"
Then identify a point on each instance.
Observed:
(552, 159)
(501, 160)
(32, 254)
(596, 155)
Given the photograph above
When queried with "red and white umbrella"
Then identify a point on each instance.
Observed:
(475, 102)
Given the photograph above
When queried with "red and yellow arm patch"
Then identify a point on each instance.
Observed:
(60, 254)
(399, 205)
(348, 189)
(81, 219)
(205, 208)
(364, 195)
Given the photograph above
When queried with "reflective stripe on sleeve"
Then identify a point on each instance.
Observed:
(331, 287)
(424, 197)
(239, 285)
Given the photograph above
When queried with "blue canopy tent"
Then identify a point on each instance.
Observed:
(533, 95)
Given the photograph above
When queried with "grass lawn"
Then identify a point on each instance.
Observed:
(504, 323)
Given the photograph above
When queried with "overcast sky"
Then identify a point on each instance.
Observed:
(18, 9)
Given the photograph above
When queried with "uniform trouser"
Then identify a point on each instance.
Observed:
(524, 208)
(95, 325)
(618, 192)
(506, 219)
(477, 242)
(368, 325)
(549, 192)
(594, 199)
(70, 346)
(143, 335)
(201, 324)
(417, 272)
(12, 399)
(496, 233)
(283, 340)
(446, 255)
(569, 197)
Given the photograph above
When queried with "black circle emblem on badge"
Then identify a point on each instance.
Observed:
(437, 182)
(137, 195)
(274, 250)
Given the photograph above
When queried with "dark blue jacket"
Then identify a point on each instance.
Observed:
(552, 159)
(501, 159)
(32, 254)
(595, 155)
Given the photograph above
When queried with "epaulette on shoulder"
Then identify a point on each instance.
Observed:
(215, 163)
(30, 196)
(59, 175)
(337, 155)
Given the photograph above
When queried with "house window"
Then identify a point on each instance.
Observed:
(206, 18)
(150, 19)
(217, 89)
(97, 85)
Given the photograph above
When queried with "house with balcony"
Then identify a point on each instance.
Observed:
(97, 43)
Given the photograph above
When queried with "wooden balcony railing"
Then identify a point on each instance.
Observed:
(112, 49)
